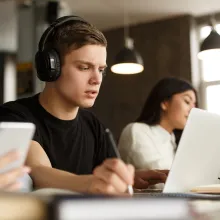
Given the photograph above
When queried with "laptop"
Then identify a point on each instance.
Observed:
(197, 160)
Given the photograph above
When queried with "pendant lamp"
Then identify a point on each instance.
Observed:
(128, 60)
(210, 47)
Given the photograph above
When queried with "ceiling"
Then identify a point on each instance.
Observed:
(107, 14)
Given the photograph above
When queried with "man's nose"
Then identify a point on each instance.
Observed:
(96, 77)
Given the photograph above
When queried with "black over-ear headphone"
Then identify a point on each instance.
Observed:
(47, 60)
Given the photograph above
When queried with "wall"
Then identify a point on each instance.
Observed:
(25, 34)
(165, 48)
(32, 23)
(8, 26)
(205, 19)
(8, 49)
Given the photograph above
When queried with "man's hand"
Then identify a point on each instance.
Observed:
(145, 178)
(112, 177)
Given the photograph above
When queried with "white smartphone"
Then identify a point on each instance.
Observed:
(15, 136)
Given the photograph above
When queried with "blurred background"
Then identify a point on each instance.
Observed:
(168, 35)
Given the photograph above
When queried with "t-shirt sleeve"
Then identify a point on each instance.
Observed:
(16, 113)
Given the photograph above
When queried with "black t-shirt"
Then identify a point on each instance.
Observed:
(76, 146)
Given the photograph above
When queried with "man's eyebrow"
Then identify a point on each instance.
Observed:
(105, 66)
(89, 63)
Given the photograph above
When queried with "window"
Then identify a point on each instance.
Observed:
(210, 77)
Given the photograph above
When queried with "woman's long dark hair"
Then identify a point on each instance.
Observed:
(162, 91)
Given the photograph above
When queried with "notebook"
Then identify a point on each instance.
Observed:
(120, 208)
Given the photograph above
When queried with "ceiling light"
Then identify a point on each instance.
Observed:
(210, 47)
(128, 60)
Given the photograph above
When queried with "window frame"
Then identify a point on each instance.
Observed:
(203, 83)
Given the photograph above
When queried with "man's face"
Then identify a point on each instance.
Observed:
(81, 75)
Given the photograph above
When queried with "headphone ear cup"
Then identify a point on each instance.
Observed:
(48, 65)
(55, 65)
(41, 66)
(47, 61)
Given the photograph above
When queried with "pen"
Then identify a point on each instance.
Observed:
(114, 146)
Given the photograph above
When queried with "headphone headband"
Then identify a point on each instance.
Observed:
(54, 25)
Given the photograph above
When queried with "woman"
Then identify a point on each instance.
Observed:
(150, 143)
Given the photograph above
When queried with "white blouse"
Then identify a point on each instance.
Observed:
(147, 147)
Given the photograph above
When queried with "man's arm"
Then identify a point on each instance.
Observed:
(111, 177)
(44, 176)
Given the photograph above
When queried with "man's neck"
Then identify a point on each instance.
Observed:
(56, 105)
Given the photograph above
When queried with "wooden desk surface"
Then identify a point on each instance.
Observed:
(22, 207)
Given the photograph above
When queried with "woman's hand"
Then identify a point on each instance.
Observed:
(146, 178)
(9, 179)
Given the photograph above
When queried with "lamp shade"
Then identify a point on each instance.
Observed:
(128, 60)
(210, 47)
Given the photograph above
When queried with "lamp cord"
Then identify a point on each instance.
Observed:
(126, 25)
(213, 21)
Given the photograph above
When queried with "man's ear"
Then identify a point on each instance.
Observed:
(164, 105)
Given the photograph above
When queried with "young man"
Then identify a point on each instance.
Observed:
(70, 149)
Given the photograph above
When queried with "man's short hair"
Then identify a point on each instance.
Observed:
(74, 35)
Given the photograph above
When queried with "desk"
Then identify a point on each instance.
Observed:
(34, 206)
(30, 206)
(21, 207)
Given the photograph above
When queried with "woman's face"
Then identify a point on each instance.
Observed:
(177, 109)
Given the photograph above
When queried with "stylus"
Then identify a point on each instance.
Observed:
(114, 147)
